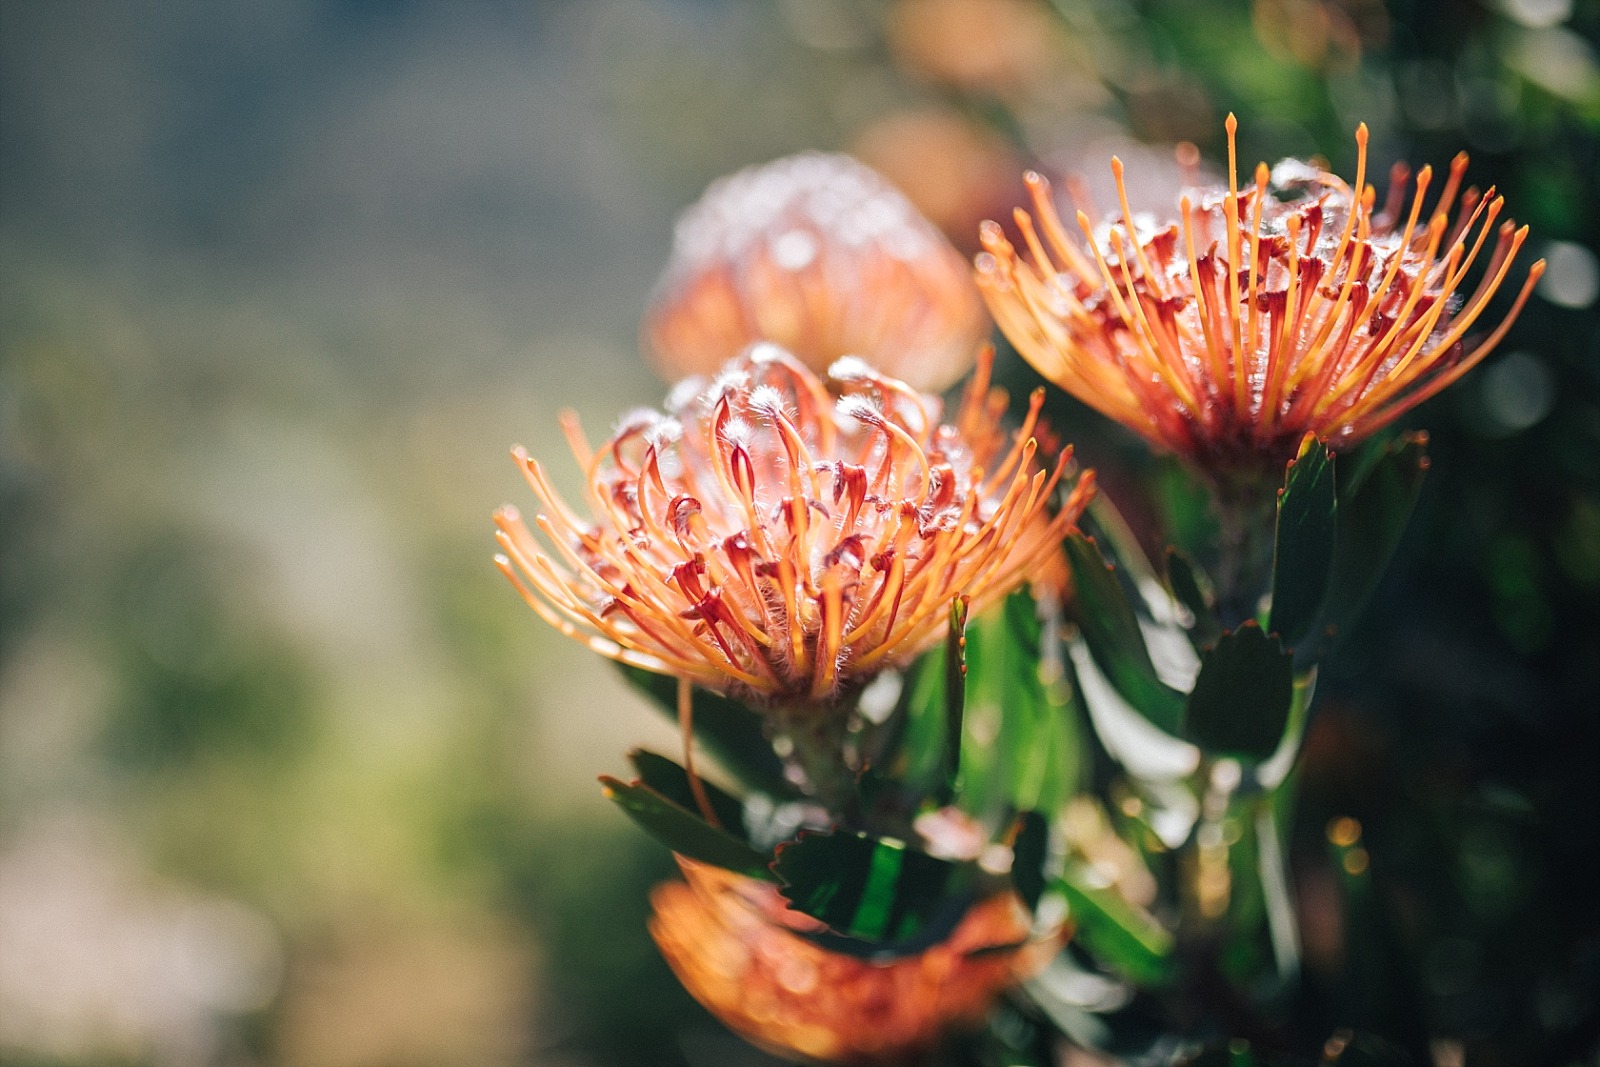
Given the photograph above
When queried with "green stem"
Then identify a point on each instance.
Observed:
(1246, 519)
(817, 748)
(1282, 926)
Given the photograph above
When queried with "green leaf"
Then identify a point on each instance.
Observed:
(919, 760)
(933, 705)
(1303, 550)
(1020, 749)
(1193, 590)
(955, 693)
(1356, 464)
(1373, 511)
(1029, 852)
(1120, 936)
(1240, 702)
(1106, 618)
(683, 831)
(733, 734)
(871, 888)
(670, 780)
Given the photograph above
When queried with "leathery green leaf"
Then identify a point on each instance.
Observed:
(1020, 750)
(1029, 852)
(669, 779)
(874, 889)
(955, 692)
(1120, 936)
(684, 831)
(1111, 630)
(1302, 561)
(1373, 512)
(1193, 590)
(1241, 699)
(733, 734)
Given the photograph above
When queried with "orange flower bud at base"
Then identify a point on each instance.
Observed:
(735, 945)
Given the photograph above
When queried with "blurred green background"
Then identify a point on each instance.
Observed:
(288, 775)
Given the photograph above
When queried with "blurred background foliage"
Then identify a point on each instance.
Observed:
(288, 776)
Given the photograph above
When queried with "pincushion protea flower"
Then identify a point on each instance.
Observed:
(820, 255)
(742, 953)
(772, 539)
(1258, 315)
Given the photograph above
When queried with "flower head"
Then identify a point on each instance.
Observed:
(1261, 314)
(784, 539)
(818, 254)
(742, 953)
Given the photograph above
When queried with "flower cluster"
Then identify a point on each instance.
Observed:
(1257, 315)
(783, 538)
(803, 515)
(800, 517)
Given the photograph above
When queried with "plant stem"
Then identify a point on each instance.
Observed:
(1246, 518)
(817, 739)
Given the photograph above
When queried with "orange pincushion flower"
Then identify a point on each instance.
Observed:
(738, 948)
(819, 255)
(773, 539)
(1258, 315)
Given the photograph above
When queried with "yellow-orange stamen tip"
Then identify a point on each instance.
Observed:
(1361, 135)
(1231, 123)
(1116, 166)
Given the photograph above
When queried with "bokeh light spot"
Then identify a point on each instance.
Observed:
(1537, 14)
(1573, 277)
(1344, 831)
(1518, 391)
